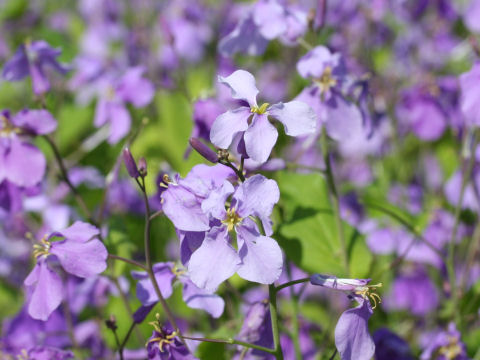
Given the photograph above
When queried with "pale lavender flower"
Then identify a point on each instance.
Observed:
(252, 122)
(470, 98)
(78, 252)
(259, 258)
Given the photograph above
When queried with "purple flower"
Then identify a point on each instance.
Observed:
(114, 94)
(389, 346)
(49, 353)
(252, 123)
(352, 338)
(470, 98)
(472, 15)
(259, 258)
(263, 22)
(32, 58)
(444, 345)
(413, 292)
(21, 162)
(166, 274)
(78, 252)
(164, 344)
(182, 201)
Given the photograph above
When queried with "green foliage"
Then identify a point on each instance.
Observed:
(309, 234)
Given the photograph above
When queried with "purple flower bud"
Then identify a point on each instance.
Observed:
(130, 163)
(142, 166)
(204, 150)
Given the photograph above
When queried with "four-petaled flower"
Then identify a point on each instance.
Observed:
(78, 252)
(252, 122)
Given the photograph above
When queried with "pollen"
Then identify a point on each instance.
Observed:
(326, 81)
(232, 219)
(369, 292)
(42, 249)
(452, 350)
(6, 127)
(259, 110)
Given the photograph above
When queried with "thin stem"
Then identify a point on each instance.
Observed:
(295, 324)
(127, 336)
(335, 202)
(64, 173)
(407, 225)
(272, 300)
(117, 341)
(302, 42)
(232, 341)
(451, 246)
(69, 321)
(291, 283)
(333, 355)
(149, 264)
(233, 167)
(156, 214)
(128, 261)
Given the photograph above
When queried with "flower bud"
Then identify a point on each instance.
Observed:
(142, 166)
(204, 150)
(111, 323)
(130, 163)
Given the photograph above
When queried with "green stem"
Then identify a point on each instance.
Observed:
(291, 283)
(149, 264)
(272, 299)
(234, 168)
(451, 246)
(128, 261)
(335, 202)
(231, 341)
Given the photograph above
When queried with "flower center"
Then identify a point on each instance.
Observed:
(163, 337)
(232, 219)
(259, 110)
(7, 128)
(42, 249)
(452, 350)
(326, 80)
(369, 292)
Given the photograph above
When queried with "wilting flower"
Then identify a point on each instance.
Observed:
(78, 252)
(252, 123)
(352, 337)
(164, 344)
(21, 162)
(31, 58)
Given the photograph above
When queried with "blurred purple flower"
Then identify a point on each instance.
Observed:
(470, 95)
(32, 58)
(252, 123)
(111, 108)
(389, 346)
(444, 345)
(22, 163)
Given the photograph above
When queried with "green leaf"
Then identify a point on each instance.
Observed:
(208, 351)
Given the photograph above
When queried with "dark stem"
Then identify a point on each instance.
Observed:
(232, 341)
(117, 341)
(272, 300)
(291, 283)
(149, 265)
(128, 261)
(64, 173)
(333, 356)
(127, 336)
(233, 167)
(335, 202)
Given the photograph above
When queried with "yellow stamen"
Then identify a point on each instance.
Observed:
(42, 249)
(369, 292)
(259, 110)
(177, 271)
(232, 219)
(326, 81)
(452, 350)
